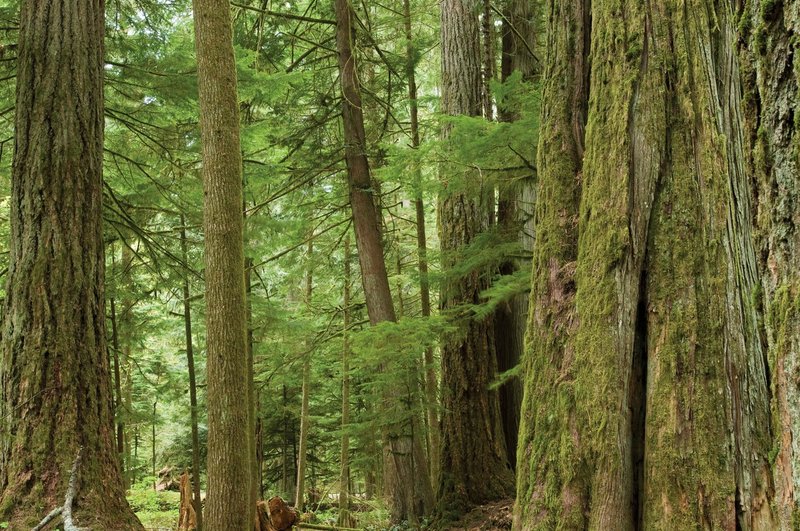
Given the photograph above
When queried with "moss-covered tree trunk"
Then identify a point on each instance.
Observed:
(230, 438)
(473, 462)
(655, 408)
(770, 33)
(54, 371)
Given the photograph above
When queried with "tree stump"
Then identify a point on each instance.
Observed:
(187, 519)
(281, 515)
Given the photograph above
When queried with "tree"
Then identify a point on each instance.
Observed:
(410, 494)
(769, 33)
(230, 439)
(55, 381)
(197, 501)
(474, 462)
(515, 213)
(644, 350)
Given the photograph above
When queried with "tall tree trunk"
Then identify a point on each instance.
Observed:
(515, 217)
(118, 407)
(489, 59)
(474, 462)
(644, 350)
(410, 494)
(771, 71)
(304, 414)
(431, 385)
(228, 468)
(345, 520)
(55, 384)
(187, 326)
(153, 444)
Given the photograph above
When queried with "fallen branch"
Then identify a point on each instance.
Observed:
(304, 525)
(65, 511)
(47, 519)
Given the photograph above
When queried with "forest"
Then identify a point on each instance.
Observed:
(400, 264)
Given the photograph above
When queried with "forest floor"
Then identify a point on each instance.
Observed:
(494, 516)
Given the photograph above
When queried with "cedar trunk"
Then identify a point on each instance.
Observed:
(771, 73)
(54, 371)
(474, 462)
(645, 350)
(230, 452)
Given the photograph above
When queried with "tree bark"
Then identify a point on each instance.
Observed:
(304, 414)
(431, 385)
(660, 358)
(771, 74)
(410, 495)
(344, 518)
(55, 384)
(187, 325)
(474, 461)
(515, 217)
(228, 468)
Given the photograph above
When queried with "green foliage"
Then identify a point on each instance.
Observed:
(157, 510)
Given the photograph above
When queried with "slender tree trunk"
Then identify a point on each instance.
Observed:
(304, 413)
(431, 385)
(187, 325)
(771, 71)
(255, 467)
(644, 349)
(118, 408)
(474, 462)
(410, 494)
(229, 475)
(55, 383)
(489, 59)
(153, 445)
(345, 520)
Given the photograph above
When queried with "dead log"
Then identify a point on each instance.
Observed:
(187, 517)
(305, 525)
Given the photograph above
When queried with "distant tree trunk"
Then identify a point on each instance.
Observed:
(515, 217)
(55, 384)
(304, 425)
(431, 385)
(345, 520)
(125, 333)
(644, 350)
(474, 462)
(230, 452)
(118, 408)
(489, 59)
(153, 444)
(771, 71)
(409, 493)
(255, 467)
(187, 324)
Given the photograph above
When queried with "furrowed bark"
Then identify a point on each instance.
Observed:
(55, 384)
(769, 33)
(474, 462)
(230, 452)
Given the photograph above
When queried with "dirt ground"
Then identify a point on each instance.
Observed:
(490, 517)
